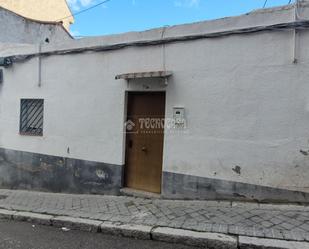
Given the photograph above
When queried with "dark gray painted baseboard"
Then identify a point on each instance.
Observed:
(179, 186)
(33, 171)
(25, 170)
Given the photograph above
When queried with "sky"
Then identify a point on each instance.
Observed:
(119, 16)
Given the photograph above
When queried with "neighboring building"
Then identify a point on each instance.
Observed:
(17, 29)
(235, 104)
(41, 10)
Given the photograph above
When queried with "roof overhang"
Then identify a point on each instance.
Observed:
(142, 75)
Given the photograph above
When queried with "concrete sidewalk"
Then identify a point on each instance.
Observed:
(239, 221)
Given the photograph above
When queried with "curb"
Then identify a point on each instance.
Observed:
(127, 230)
(156, 233)
(258, 243)
(191, 238)
(76, 223)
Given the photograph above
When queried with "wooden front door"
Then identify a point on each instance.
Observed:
(144, 141)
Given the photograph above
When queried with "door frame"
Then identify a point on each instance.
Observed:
(124, 149)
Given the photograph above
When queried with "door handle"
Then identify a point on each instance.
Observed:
(144, 149)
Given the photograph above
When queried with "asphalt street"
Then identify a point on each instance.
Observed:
(24, 235)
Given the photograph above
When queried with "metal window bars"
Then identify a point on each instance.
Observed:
(31, 117)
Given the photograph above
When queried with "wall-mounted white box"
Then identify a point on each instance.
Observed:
(179, 115)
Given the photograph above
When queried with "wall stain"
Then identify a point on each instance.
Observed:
(180, 186)
(305, 153)
(24, 170)
(237, 169)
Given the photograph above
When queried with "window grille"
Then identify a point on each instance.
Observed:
(31, 117)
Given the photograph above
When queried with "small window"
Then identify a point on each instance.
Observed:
(31, 117)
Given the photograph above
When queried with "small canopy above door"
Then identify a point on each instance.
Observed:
(141, 75)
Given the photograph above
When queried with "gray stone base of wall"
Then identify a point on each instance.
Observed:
(25, 170)
(179, 186)
(32, 171)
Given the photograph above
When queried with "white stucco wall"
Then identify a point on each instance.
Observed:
(42, 10)
(17, 29)
(246, 103)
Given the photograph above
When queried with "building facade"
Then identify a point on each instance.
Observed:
(42, 10)
(211, 110)
(17, 29)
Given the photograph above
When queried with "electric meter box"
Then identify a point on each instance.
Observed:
(179, 115)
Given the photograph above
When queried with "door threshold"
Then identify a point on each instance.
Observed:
(139, 193)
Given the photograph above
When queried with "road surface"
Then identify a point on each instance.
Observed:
(15, 235)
